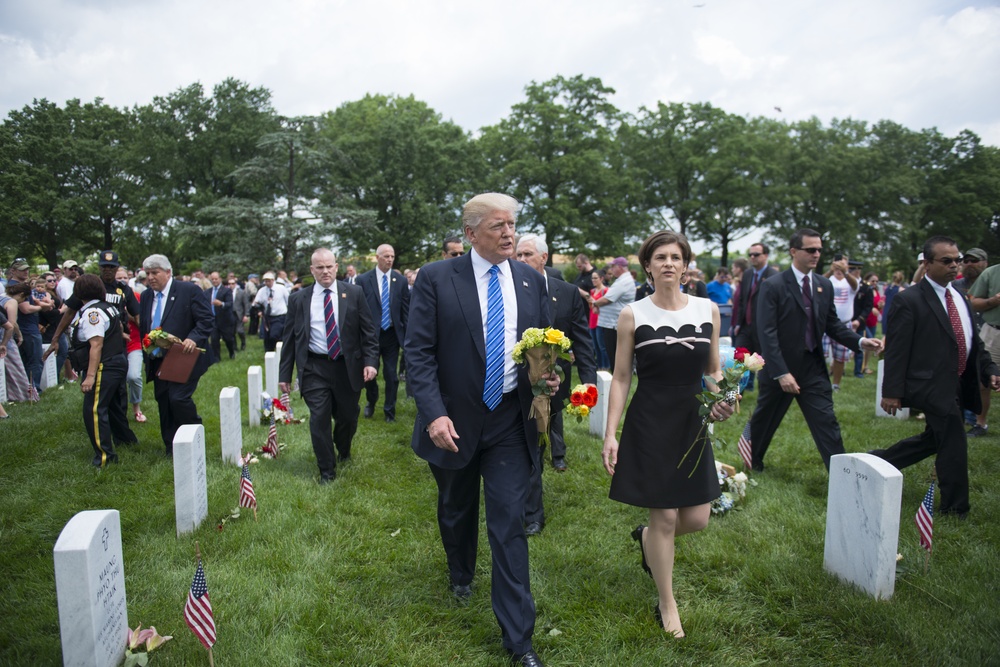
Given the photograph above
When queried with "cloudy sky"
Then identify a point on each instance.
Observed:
(921, 63)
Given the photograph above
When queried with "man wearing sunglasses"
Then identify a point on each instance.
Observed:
(745, 309)
(794, 310)
(935, 362)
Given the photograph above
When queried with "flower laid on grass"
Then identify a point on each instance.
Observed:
(582, 400)
(136, 638)
(734, 489)
(540, 348)
(160, 338)
(727, 389)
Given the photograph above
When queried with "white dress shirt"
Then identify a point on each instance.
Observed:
(963, 311)
(317, 318)
(481, 268)
(279, 302)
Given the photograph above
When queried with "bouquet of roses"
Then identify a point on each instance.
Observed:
(540, 348)
(160, 338)
(582, 400)
(727, 389)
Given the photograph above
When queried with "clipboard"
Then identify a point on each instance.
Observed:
(177, 366)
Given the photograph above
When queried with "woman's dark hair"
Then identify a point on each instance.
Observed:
(663, 238)
(88, 287)
(19, 289)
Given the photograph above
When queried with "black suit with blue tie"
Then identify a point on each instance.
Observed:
(225, 324)
(391, 324)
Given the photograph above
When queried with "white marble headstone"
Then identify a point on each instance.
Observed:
(90, 590)
(902, 413)
(50, 372)
(862, 522)
(271, 373)
(231, 424)
(255, 386)
(190, 481)
(3, 382)
(599, 415)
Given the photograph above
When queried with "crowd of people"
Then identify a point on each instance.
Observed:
(448, 329)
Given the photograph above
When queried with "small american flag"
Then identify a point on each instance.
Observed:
(744, 446)
(272, 438)
(247, 496)
(198, 610)
(287, 402)
(925, 519)
(32, 392)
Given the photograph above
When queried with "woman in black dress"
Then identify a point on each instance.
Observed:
(675, 339)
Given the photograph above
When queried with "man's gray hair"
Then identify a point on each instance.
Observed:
(541, 247)
(482, 205)
(157, 262)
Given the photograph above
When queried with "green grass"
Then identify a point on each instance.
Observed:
(354, 573)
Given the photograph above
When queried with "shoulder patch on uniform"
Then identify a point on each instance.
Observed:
(93, 317)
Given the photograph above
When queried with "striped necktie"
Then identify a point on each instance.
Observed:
(386, 322)
(332, 332)
(956, 325)
(493, 389)
(157, 315)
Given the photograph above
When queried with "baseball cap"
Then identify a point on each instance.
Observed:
(19, 264)
(141, 275)
(268, 276)
(252, 275)
(108, 258)
(977, 254)
(69, 264)
(620, 261)
(855, 263)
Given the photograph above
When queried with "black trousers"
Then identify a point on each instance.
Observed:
(504, 463)
(274, 327)
(388, 350)
(815, 399)
(227, 333)
(326, 390)
(610, 345)
(176, 405)
(534, 507)
(104, 415)
(943, 436)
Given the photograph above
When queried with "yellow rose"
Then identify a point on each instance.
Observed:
(554, 336)
(584, 410)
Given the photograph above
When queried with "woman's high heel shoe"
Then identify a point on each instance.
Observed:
(637, 536)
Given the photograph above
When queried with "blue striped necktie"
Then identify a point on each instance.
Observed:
(332, 332)
(493, 389)
(386, 322)
(157, 315)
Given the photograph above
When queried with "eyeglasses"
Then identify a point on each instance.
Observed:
(456, 253)
(811, 251)
(947, 261)
(754, 254)
(969, 260)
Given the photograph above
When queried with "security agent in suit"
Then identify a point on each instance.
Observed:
(471, 423)
(220, 298)
(794, 310)
(745, 310)
(571, 316)
(182, 309)
(331, 336)
(935, 362)
(388, 297)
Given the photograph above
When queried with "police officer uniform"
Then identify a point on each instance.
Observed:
(104, 414)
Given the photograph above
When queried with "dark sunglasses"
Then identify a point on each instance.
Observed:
(947, 261)
(456, 253)
(811, 251)
(969, 260)
(754, 254)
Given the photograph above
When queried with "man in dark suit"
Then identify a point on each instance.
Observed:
(472, 405)
(388, 297)
(571, 316)
(181, 309)
(331, 336)
(745, 310)
(864, 301)
(935, 362)
(220, 297)
(794, 310)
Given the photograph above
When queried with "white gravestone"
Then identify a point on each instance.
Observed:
(90, 590)
(271, 373)
(599, 415)
(50, 372)
(902, 413)
(862, 522)
(231, 424)
(190, 481)
(3, 382)
(255, 386)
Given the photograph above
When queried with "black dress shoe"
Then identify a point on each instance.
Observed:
(369, 411)
(637, 536)
(327, 479)
(529, 659)
(559, 463)
(390, 419)
(533, 528)
(462, 592)
(343, 458)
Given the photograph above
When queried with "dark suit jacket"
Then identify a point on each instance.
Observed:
(553, 272)
(399, 299)
(223, 313)
(921, 355)
(781, 321)
(864, 301)
(187, 313)
(571, 316)
(748, 300)
(358, 333)
(446, 354)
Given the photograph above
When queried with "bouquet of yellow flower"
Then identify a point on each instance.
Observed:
(160, 338)
(540, 348)
(582, 400)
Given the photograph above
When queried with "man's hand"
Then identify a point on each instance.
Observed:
(552, 382)
(285, 387)
(370, 373)
(189, 346)
(443, 434)
(88, 384)
(995, 382)
(871, 344)
(788, 384)
(53, 348)
(891, 405)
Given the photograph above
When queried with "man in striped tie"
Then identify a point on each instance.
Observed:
(331, 336)
(466, 314)
(388, 297)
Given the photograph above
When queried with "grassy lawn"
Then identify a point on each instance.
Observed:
(354, 573)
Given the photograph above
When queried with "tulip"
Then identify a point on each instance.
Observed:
(138, 636)
(155, 640)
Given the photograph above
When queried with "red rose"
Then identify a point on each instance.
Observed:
(576, 398)
(740, 353)
(592, 392)
(146, 342)
(590, 401)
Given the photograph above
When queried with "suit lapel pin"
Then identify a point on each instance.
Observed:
(553, 298)
(524, 282)
(343, 295)
(819, 289)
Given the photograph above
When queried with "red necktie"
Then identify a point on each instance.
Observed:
(807, 301)
(956, 324)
